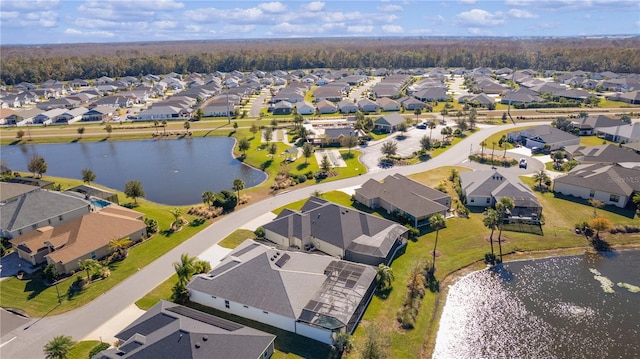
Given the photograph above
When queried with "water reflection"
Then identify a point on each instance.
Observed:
(550, 308)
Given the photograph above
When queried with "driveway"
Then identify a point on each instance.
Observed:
(11, 264)
(258, 103)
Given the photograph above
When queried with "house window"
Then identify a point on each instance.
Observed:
(93, 254)
(614, 198)
(473, 199)
(60, 218)
(226, 304)
(488, 200)
(592, 193)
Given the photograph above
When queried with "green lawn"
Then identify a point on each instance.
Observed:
(234, 239)
(498, 135)
(36, 299)
(594, 141)
(82, 349)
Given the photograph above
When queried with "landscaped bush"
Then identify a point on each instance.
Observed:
(98, 348)
(626, 228)
(205, 212)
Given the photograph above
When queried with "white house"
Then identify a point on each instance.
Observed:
(312, 295)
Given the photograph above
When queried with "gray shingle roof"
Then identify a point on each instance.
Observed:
(171, 331)
(547, 134)
(606, 178)
(602, 154)
(497, 184)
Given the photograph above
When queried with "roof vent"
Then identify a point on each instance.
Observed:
(197, 345)
(205, 338)
(277, 253)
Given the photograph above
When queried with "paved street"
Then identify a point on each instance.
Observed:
(27, 341)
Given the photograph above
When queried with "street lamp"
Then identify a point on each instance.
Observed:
(58, 292)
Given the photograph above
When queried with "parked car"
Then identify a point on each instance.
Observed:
(422, 126)
(523, 163)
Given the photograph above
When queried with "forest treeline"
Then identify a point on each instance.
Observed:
(69, 61)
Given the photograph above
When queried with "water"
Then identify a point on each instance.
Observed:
(173, 172)
(584, 306)
(100, 203)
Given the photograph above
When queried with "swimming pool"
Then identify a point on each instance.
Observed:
(100, 203)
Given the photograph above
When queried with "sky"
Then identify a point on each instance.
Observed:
(80, 21)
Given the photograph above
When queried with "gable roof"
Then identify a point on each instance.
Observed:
(595, 121)
(404, 193)
(392, 119)
(547, 134)
(606, 178)
(173, 331)
(9, 191)
(497, 184)
(307, 287)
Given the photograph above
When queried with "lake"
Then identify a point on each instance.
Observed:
(172, 172)
(585, 306)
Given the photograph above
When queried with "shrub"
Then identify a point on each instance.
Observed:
(259, 232)
(309, 174)
(413, 232)
(97, 349)
(302, 178)
(152, 225)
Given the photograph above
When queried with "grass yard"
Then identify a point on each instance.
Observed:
(498, 135)
(234, 239)
(594, 141)
(82, 349)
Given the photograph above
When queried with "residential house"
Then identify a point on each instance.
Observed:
(486, 188)
(326, 106)
(59, 116)
(335, 135)
(31, 210)
(64, 102)
(98, 114)
(623, 133)
(347, 106)
(522, 95)
(411, 104)
(587, 126)
(219, 109)
(543, 135)
(338, 231)
(404, 197)
(164, 113)
(170, 330)
(305, 108)
(316, 296)
(282, 108)
(431, 94)
(633, 146)
(85, 237)
(611, 184)
(606, 154)
(388, 123)
(632, 97)
(366, 105)
(388, 104)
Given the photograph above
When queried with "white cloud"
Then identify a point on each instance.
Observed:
(390, 8)
(314, 6)
(287, 28)
(275, 7)
(29, 5)
(521, 14)
(360, 29)
(6, 15)
(479, 18)
(479, 32)
(93, 34)
(164, 25)
(518, 2)
(467, 2)
(392, 29)
(421, 32)
(238, 29)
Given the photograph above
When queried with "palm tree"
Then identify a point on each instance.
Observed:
(185, 268)
(155, 125)
(493, 151)
(436, 222)
(208, 197)
(636, 200)
(238, 185)
(483, 144)
(201, 266)
(58, 347)
(89, 265)
(503, 207)
(177, 216)
(541, 176)
(417, 112)
(109, 129)
(187, 125)
(491, 221)
(120, 245)
(384, 276)
(164, 126)
(431, 125)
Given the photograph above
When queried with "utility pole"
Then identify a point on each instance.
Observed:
(228, 111)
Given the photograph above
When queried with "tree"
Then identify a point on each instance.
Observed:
(225, 199)
(274, 123)
(201, 266)
(325, 165)
(425, 143)
(89, 265)
(19, 134)
(384, 276)
(58, 347)
(636, 200)
(238, 185)
(473, 117)
(491, 220)
(389, 148)
(184, 268)
(483, 144)
(541, 177)
(303, 133)
(431, 126)
(375, 345)
(444, 132)
(273, 149)
(133, 189)
(417, 112)
(349, 142)
(254, 129)
(50, 272)
(109, 129)
(444, 112)
(402, 127)
(599, 224)
(187, 125)
(37, 165)
(177, 218)
(88, 176)
(595, 203)
(80, 131)
(208, 197)
(558, 157)
(244, 145)
(504, 117)
(235, 125)
(343, 342)
(504, 206)
(267, 134)
(155, 125)
(563, 124)
(164, 126)
(625, 118)
(307, 151)
(120, 246)
(436, 222)
(493, 150)
(198, 115)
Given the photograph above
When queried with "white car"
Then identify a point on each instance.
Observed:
(523, 163)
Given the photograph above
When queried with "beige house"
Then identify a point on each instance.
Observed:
(82, 238)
